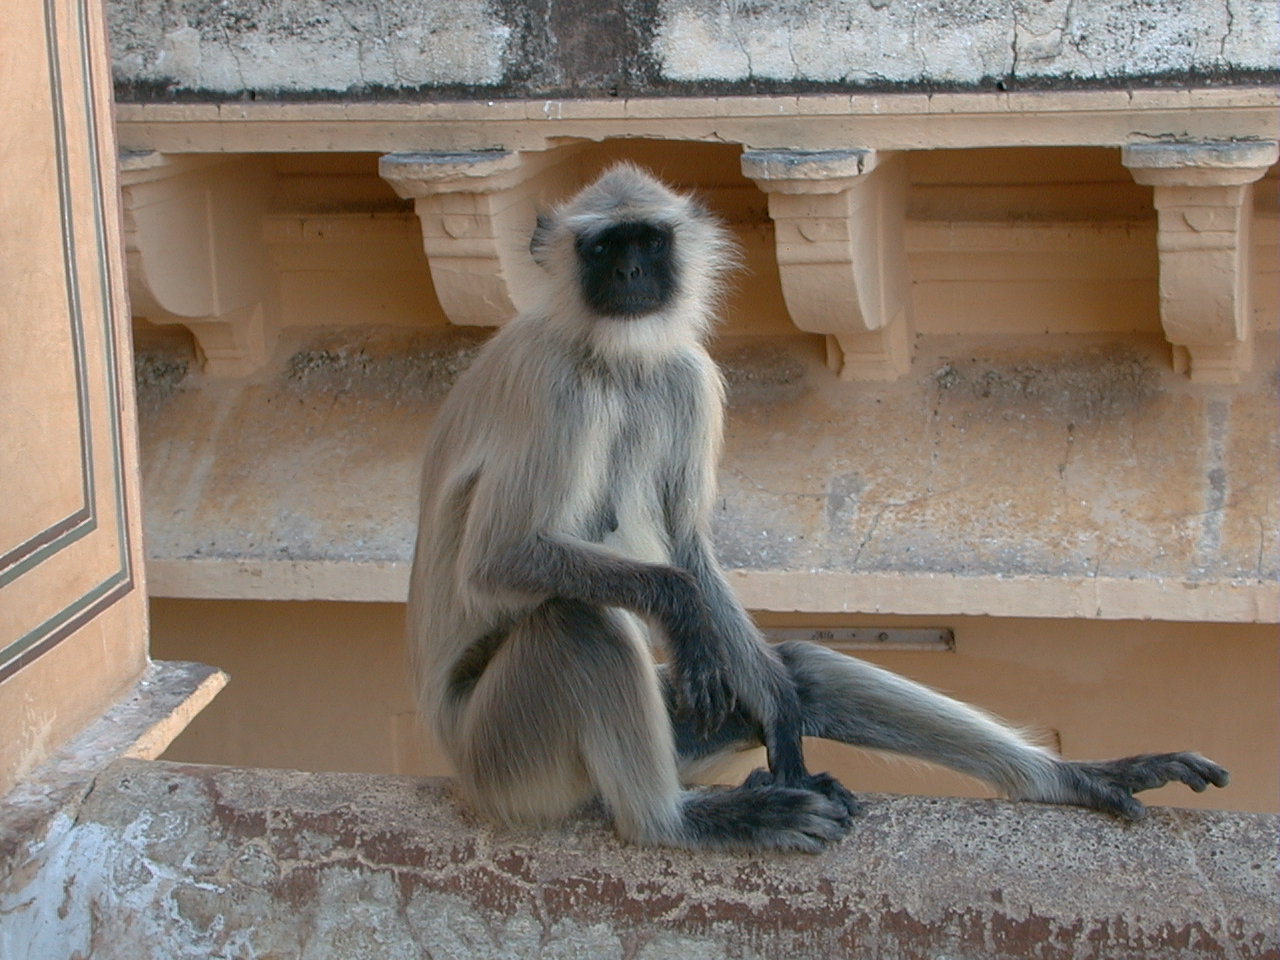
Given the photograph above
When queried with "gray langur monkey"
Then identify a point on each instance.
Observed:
(565, 526)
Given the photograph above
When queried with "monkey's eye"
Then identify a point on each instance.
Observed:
(591, 248)
(655, 242)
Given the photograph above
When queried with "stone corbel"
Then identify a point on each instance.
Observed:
(838, 218)
(477, 212)
(194, 247)
(1204, 205)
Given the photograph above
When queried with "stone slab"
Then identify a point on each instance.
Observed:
(168, 860)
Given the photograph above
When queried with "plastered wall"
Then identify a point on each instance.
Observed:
(322, 686)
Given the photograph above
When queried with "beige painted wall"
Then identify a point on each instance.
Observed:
(322, 686)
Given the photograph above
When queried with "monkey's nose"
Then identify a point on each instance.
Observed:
(629, 271)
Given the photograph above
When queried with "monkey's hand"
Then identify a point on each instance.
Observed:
(703, 694)
(701, 672)
(1110, 785)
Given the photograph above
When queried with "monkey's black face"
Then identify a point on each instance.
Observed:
(629, 269)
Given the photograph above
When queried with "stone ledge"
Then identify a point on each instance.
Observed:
(300, 484)
(363, 48)
(1090, 598)
(885, 121)
(168, 860)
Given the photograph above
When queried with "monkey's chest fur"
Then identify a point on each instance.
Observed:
(630, 459)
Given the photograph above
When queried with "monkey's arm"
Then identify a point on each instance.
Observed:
(757, 677)
(546, 564)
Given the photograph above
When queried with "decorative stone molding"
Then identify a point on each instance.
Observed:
(838, 217)
(195, 253)
(477, 210)
(1204, 205)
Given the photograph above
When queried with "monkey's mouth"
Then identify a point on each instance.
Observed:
(634, 308)
(630, 306)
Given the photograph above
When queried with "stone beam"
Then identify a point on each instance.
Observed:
(169, 860)
(838, 218)
(477, 210)
(196, 257)
(1204, 206)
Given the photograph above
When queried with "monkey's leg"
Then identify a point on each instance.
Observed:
(569, 705)
(854, 702)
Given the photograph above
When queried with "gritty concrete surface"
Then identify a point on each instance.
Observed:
(387, 48)
(1123, 471)
(180, 861)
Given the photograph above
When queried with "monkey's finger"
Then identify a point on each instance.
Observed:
(1155, 770)
(1193, 779)
(708, 703)
(1206, 768)
(1121, 803)
(1196, 772)
(709, 720)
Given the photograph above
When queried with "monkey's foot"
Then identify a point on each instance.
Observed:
(765, 817)
(823, 784)
(1109, 785)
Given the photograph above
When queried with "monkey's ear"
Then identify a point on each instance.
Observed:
(541, 240)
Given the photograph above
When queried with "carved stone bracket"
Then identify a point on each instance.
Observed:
(1204, 206)
(193, 242)
(838, 217)
(476, 211)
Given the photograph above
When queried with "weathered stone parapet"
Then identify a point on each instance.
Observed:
(838, 218)
(193, 243)
(170, 860)
(469, 48)
(476, 208)
(1204, 203)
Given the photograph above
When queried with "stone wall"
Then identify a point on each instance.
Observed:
(474, 49)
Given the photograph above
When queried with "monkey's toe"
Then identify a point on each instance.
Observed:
(761, 815)
(835, 791)
(823, 785)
